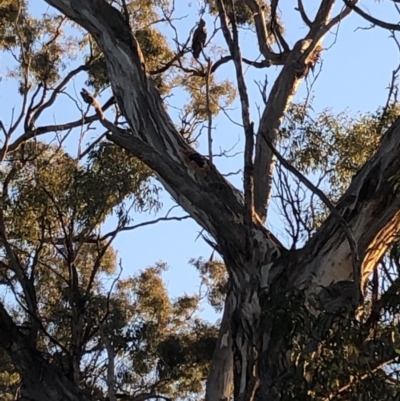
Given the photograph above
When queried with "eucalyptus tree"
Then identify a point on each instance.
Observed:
(285, 309)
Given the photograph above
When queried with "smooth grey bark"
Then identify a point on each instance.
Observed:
(296, 65)
(255, 262)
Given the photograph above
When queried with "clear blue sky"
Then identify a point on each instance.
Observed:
(356, 72)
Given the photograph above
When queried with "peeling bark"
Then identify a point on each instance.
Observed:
(256, 266)
(296, 65)
(282, 93)
(370, 207)
(153, 136)
(220, 378)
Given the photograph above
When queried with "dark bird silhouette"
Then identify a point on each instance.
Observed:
(199, 39)
(200, 160)
(90, 99)
(87, 97)
(195, 161)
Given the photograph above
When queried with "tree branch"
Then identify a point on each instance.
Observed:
(302, 11)
(233, 44)
(39, 379)
(188, 176)
(51, 128)
(280, 40)
(370, 18)
(296, 67)
(142, 397)
(110, 363)
(323, 13)
(36, 111)
(342, 222)
(262, 34)
(371, 209)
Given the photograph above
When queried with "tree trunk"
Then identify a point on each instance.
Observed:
(221, 371)
(260, 270)
(40, 382)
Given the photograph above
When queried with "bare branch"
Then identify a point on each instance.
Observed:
(51, 128)
(274, 27)
(262, 34)
(297, 65)
(41, 106)
(337, 19)
(144, 224)
(110, 363)
(302, 11)
(170, 63)
(234, 48)
(369, 18)
(335, 213)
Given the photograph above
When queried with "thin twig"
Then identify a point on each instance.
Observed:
(346, 229)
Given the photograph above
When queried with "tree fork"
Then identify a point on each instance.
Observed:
(370, 207)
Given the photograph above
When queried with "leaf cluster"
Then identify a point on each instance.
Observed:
(336, 355)
(244, 15)
(55, 208)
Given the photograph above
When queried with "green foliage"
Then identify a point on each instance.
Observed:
(152, 43)
(244, 15)
(141, 12)
(44, 65)
(86, 194)
(97, 72)
(221, 95)
(185, 357)
(55, 207)
(164, 337)
(214, 277)
(156, 53)
(334, 353)
(338, 144)
(59, 266)
(12, 14)
(35, 44)
(57, 261)
(9, 378)
(329, 149)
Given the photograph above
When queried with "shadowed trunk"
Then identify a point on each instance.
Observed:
(40, 382)
(252, 349)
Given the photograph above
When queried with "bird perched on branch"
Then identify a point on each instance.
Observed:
(199, 39)
(88, 98)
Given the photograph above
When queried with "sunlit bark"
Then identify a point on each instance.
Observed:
(256, 263)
